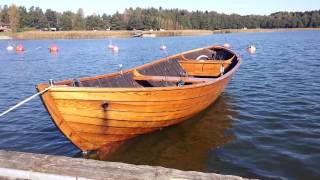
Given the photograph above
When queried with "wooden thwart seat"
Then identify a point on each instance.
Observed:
(140, 77)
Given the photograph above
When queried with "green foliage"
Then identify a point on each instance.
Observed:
(135, 22)
(106, 21)
(117, 22)
(66, 21)
(79, 21)
(14, 18)
(37, 18)
(52, 18)
(5, 15)
(152, 18)
(94, 22)
(24, 18)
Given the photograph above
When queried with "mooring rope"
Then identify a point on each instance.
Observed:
(26, 100)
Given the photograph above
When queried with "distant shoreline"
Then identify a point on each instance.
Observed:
(3, 37)
(126, 34)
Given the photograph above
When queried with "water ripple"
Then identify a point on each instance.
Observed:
(266, 125)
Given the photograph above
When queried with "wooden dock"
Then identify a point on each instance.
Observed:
(18, 165)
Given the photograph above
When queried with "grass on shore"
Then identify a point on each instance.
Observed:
(107, 34)
(100, 34)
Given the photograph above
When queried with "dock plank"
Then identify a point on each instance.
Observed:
(39, 166)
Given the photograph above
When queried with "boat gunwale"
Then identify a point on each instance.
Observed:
(85, 144)
(60, 85)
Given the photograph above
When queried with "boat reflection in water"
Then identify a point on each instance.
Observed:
(184, 146)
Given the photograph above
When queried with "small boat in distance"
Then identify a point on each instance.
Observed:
(137, 34)
(104, 111)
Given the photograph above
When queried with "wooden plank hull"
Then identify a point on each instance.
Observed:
(92, 118)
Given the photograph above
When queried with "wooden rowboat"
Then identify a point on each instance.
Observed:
(103, 111)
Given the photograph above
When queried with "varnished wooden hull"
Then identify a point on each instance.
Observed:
(80, 114)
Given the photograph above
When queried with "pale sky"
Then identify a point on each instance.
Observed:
(243, 7)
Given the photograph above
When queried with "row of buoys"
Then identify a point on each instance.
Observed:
(115, 49)
(54, 48)
(20, 48)
(250, 49)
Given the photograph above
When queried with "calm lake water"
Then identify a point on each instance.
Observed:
(265, 125)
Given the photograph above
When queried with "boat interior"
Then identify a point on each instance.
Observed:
(184, 69)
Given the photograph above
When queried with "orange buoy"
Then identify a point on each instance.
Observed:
(251, 49)
(53, 48)
(227, 45)
(163, 47)
(19, 48)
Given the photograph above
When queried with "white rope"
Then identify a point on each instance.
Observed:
(24, 101)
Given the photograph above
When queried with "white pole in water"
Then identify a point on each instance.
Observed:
(24, 101)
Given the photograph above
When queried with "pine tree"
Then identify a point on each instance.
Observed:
(14, 18)
(116, 23)
(79, 21)
(5, 15)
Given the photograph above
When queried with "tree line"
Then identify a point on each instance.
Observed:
(20, 18)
